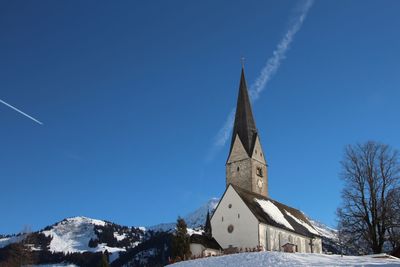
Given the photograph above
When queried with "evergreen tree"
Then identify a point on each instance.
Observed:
(207, 226)
(104, 261)
(180, 241)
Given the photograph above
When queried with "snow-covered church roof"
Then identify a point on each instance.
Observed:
(274, 213)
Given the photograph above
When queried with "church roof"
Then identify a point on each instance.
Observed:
(206, 241)
(245, 125)
(276, 213)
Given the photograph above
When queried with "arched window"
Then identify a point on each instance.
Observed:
(259, 171)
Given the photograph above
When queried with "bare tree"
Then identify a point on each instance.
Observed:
(394, 226)
(371, 174)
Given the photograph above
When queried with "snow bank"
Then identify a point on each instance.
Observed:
(55, 265)
(273, 212)
(265, 259)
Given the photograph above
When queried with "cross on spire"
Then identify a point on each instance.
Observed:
(242, 59)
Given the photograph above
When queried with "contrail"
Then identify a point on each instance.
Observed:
(279, 54)
(269, 69)
(21, 112)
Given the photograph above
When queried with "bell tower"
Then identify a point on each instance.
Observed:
(246, 166)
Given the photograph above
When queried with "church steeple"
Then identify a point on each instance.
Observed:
(244, 126)
(246, 166)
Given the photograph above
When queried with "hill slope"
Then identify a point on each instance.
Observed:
(265, 259)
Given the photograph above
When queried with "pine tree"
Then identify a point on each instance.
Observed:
(180, 241)
(103, 262)
(207, 226)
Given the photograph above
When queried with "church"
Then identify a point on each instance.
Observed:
(245, 217)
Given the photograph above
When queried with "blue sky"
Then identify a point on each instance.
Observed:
(132, 95)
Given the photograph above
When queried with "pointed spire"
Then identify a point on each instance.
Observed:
(244, 126)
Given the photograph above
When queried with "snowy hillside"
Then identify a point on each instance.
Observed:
(265, 259)
(75, 234)
(324, 230)
(193, 220)
(5, 241)
(79, 235)
(198, 217)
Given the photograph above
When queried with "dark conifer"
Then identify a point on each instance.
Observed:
(104, 261)
(207, 226)
(180, 241)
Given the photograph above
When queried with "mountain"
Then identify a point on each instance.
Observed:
(194, 220)
(83, 240)
(330, 239)
(79, 238)
(81, 234)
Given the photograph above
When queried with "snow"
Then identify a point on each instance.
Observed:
(119, 237)
(191, 231)
(74, 234)
(273, 212)
(198, 217)
(9, 240)
(193, 220)
(55, 265)
(324, 230)
(265, 259)
(306, 225)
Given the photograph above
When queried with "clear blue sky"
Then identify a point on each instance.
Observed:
(133, 93)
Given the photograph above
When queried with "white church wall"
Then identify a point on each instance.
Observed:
(197, 250)
(233, 211)
(262, 230)
(317, 245)
(275, 238)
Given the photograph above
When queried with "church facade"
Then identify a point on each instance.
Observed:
(245, 217)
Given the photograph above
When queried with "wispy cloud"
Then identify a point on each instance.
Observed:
(270, 68)
(279, 53)
(21, 112)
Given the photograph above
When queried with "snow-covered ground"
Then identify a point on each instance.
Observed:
(265, 259)
(55, 265)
